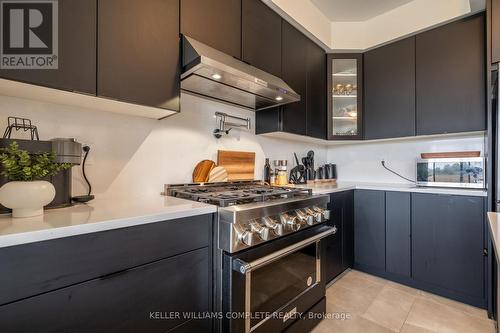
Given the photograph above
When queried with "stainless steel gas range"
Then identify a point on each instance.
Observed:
(268, 254)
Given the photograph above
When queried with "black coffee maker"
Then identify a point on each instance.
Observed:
(67, 151)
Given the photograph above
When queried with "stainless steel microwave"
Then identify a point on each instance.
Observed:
(467, 172)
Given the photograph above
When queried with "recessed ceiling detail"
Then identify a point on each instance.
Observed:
(355, 10)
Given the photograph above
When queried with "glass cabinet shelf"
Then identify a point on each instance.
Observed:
(344, 101)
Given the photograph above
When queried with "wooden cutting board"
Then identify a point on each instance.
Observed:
(217, 175)
(202, 171)
(454, 154)
(240, 165)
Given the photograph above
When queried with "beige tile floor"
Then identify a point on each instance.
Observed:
(358, 302)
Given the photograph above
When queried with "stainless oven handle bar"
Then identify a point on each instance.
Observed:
(244, 267)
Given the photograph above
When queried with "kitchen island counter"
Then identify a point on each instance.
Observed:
(97, 215)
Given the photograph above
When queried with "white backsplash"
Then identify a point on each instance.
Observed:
(134, 156)
(361, 161)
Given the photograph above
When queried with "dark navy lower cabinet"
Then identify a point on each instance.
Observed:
(448, 245)
(433, 242)
(369, 230)
(398, 233)
(135, 279)
(340, 246)
(142, 299)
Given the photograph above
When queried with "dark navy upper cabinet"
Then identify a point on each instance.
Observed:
(294, 73)
(369, 230)
(138, 52)
(303, 68)
(316, 92)
(216, 23)
(398, 233)
(77, 51)
(448, 243)
(261, 36)
(451, 78)
(340, 247)
(389, 88)
(494, 10)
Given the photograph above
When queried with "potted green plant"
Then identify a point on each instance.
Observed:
(27, 192)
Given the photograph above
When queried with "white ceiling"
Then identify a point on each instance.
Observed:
(355, 10)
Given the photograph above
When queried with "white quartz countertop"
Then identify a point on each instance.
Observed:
(97, 215)
(344, 186)
(494, 227)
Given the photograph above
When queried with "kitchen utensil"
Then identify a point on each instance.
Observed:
(319, 173)
(298, 172)
(202, 171)
(456, 154)
(310, 165)
(267, 172)
(218, 174)
(240, 165)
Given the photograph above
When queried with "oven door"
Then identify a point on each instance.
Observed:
(272, 288)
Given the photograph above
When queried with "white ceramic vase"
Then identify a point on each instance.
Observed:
(27, 199)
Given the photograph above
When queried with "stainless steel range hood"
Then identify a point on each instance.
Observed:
(213, 74)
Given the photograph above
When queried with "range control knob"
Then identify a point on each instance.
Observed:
(288, 219)
(325, 213)
(247, 237)
(262, 231)
(243, 235)
(276, 227)
(318, 217)
(304, 217)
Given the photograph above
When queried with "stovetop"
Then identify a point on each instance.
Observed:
(251, 213)
(233, 193)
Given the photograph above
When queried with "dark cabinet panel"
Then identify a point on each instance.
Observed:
(448, 242)
(495, 31)
(316, 92)
(340, 247)
(216, 23)
(77, 51)
(268, 121)
(334, 254)
(369, 229)
(138, 52)
(261, 36)
(31, 269)
(450, 78)
(333, 260)
(121, 302)
(303, 68)
(398, 233)
(389, 88)
(294, 73)
(348, 229)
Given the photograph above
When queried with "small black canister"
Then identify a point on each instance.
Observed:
(330, 171)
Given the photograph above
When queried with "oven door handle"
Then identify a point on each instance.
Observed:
(246, 267)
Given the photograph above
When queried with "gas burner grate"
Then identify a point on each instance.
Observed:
(229, 194)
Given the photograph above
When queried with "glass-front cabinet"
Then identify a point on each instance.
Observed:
(345, 96)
